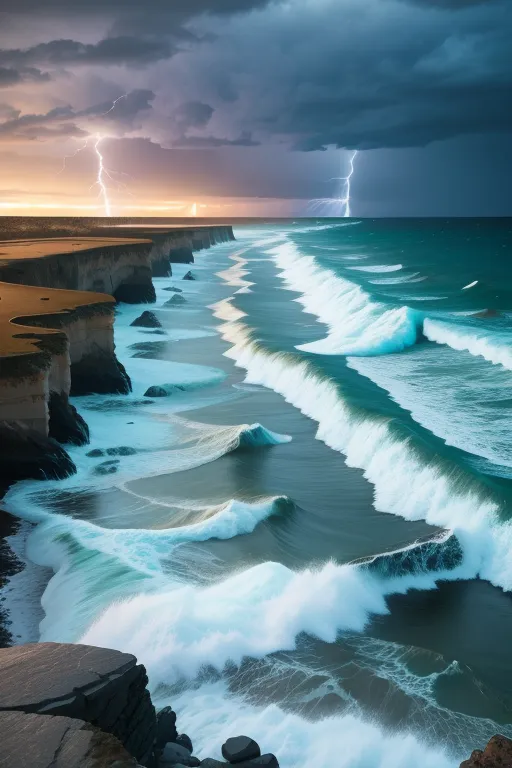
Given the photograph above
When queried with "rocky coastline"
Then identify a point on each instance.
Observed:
(63, 343)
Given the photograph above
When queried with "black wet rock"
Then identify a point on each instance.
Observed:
(65, 423)
(27, 454)
(189, 276)
(240, 748)
(156, 392)
(185, 741)
(95, 453)
(174, 289)
(121, 450)
(107, 467)
(165, 727)
(147, 320)
(99, 373)
(175, 754)
(210, 762)
(175, 300)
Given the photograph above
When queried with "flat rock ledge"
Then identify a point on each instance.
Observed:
(101, 687)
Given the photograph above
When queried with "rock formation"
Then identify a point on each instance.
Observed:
(26, 454)
(497, 754)
(118, 266)
(95, 685)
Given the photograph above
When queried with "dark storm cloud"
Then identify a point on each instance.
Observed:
(68, 123)
(204, 142)
(127, 50)
(193, 114)
(11, 76)
(365, 74)
(185, 7)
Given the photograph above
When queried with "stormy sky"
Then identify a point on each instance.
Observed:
(251, 107)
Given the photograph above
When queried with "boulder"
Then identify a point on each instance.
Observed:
(107, 467)
(121, 450)
(95, 453)
(175, 300)
(156, 391)
(210, 762)
(240, 748)
(185, 741)
(165, 727)
(497, 754)
(65, 423)
(173, 289)
(189, 276)
(147, 320)
(27, 454)
(174, 754)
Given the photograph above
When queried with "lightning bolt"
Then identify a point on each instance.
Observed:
(100, 180)
(74, 154)
(348, 180)
(340, 203)
(113, 105)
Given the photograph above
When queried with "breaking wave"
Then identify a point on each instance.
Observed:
(471, 340)
(357, 325)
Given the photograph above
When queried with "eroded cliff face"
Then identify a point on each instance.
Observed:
(120, 267)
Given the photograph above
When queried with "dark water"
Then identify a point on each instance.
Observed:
(350, 584)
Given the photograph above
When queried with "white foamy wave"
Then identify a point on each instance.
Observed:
(388, 462)
(378, 268)
(357, 325)
(213, 715)
(471, 340)
(199, 444)
(252, 613)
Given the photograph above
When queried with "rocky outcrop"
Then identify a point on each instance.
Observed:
(497, 754)
(26, 454)
(42, 741)
(65, 423)
(147, 320)
(95, 685)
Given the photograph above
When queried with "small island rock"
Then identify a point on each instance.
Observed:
(156, 392)
(147, 320)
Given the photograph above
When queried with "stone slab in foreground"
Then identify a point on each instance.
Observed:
(100, 686)
(42, 741)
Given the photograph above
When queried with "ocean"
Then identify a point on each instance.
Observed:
(311, 540)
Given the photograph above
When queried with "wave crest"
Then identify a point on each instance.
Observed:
(357, 325)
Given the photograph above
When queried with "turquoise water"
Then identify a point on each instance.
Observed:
(312, 540)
